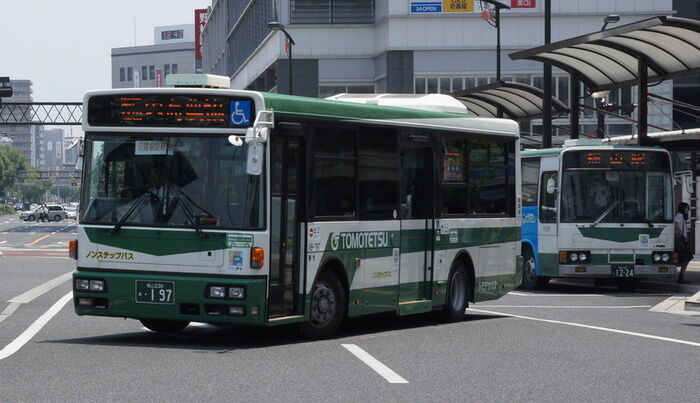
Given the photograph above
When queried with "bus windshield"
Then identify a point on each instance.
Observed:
(630, 196)
(161, 180)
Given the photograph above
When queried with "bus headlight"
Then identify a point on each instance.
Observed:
(82, 285)
(236, 292)
(656, 257)
(665, 257)
(582, 257)
(573, 256)
(97, 285)
(216, 291)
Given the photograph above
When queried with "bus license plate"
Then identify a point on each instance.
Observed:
(622, 270)
(155, 292)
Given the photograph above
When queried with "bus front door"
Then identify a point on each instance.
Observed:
(416, 220)
(286, 190)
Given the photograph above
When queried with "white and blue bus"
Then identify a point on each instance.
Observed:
(596, 211)
(284, 209)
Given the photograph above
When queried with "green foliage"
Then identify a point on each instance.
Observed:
(34, 192)
(11, 161)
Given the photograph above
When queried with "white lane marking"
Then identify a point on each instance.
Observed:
(28, 296)
(568, 306)
(3, 242)
(4, 233)
(35, 327)
(604, 329)
(386, 372)
(9, 310)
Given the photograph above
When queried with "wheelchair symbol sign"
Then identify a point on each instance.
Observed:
(240, 113)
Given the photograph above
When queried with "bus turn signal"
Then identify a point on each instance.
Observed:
(73, 248)
(257, 258)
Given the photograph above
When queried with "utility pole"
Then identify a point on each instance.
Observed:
(547, 77)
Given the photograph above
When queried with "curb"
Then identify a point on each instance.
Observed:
(675, 287)
(693, 303)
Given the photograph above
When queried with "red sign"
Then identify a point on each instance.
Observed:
(523, 3)
(200, 19)
(159, 78)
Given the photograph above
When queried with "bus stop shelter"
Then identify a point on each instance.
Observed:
(648, 51)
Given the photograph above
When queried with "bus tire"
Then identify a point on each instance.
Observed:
(457, 293)
(531, 281)
(165, 326)
(627, 284)
(328, 306)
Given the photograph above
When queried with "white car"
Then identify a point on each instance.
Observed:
(72, 212)
(55, 213)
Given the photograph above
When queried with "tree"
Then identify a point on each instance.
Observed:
(11, 161)
(34, 192)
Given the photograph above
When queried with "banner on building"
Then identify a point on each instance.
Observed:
(467, 6)
(59, 150)
(159, 78)
(200, 19)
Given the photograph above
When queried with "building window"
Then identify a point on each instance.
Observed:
(151, 72)
(332, 11)
(129, 74)
(166, 70)
(122, 74)
(144, 75)
(174, 68)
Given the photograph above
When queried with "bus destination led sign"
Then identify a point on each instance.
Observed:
(170, 110)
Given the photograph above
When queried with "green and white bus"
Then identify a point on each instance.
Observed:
(281, 209)
(597, 211)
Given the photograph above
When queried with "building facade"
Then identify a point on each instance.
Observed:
(21, 136)
(404, 46)
(147, 66)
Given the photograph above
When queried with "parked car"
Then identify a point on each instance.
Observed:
(19, 206)
(72, 212)
(55, 213)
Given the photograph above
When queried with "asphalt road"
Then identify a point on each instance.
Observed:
(568, 343)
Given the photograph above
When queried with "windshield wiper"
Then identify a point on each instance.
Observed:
(608, 210)
(138, 204)
(188, 206)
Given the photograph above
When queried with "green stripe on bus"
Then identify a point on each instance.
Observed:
(157, 242)
(619, 234)
(316, 107)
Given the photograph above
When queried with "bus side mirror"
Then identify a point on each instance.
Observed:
(551, 186)
(254, 165)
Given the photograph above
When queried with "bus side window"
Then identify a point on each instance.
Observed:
(531, 179)
(548, 197)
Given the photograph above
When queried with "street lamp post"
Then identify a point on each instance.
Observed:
(601, 97)
(497, 23)
(276, 26)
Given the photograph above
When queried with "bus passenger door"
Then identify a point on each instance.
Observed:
(286, 207)
(416, 219)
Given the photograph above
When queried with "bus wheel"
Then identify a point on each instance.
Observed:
(531, 280)
(165, 326)
(328, 305)
(457, 293)
(627, 284)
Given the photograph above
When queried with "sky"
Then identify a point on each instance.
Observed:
(64, 47)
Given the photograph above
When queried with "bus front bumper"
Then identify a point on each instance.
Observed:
(183, 298)
(610, 270)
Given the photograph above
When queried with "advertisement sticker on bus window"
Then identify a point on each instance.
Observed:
(314, 238)
(454, 236)
(643, 239)
(236, 259)
(239, 112)
(444, 227)
(239, 240)
(151, 147)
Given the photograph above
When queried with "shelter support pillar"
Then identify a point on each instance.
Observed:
(547, 77)
(574, 95)
(642, 101)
